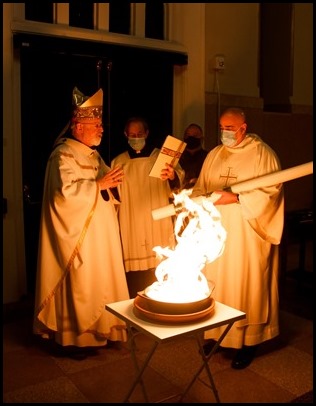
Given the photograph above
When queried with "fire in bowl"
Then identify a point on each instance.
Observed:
(150, 309)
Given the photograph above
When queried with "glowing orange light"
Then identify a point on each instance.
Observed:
(200, 239)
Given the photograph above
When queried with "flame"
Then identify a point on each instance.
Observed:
(200, 239)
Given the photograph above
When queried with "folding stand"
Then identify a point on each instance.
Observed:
(222, 315)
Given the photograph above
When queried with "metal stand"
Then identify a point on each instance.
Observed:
(223, 315)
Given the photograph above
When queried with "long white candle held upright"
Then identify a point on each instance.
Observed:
(262, 181)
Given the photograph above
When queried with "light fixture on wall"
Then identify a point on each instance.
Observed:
(219, 62)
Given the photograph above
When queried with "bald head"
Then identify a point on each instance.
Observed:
(233, 122)
(235, 113)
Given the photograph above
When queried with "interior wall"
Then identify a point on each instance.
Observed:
(187, 26)
(303, 52)
(276, 55)
(291, 136)
(231, 30)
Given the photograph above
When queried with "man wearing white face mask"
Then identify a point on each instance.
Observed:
(246, 274)
(139, 195)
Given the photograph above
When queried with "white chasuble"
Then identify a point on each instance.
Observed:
(246, 274)
(80, 264)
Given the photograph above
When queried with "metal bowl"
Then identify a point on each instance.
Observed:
(156, 306)
(143, 309)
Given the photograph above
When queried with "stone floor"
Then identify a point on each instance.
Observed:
(282, 371)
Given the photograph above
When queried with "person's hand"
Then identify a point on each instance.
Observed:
(224, 197)
(167, 172)
(111, 179)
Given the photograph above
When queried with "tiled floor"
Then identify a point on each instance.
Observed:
(281, 371)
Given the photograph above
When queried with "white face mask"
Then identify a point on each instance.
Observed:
(137, 143)
(228, 137)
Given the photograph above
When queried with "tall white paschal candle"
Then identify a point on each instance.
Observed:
(262, 181)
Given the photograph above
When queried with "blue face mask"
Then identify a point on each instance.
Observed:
(228, 138)
(137, 143)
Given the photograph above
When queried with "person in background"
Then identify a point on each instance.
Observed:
(246, 274)
(193, 156)
(140, 194)
(80, 263)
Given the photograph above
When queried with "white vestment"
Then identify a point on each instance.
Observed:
(246, 274)
(140, 194)
(80, 264)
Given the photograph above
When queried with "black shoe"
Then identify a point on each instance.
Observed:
(244, 357)
(115, 345)
(207, 348)
(79, 355)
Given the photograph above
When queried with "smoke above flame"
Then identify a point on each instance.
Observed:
(200, 239)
